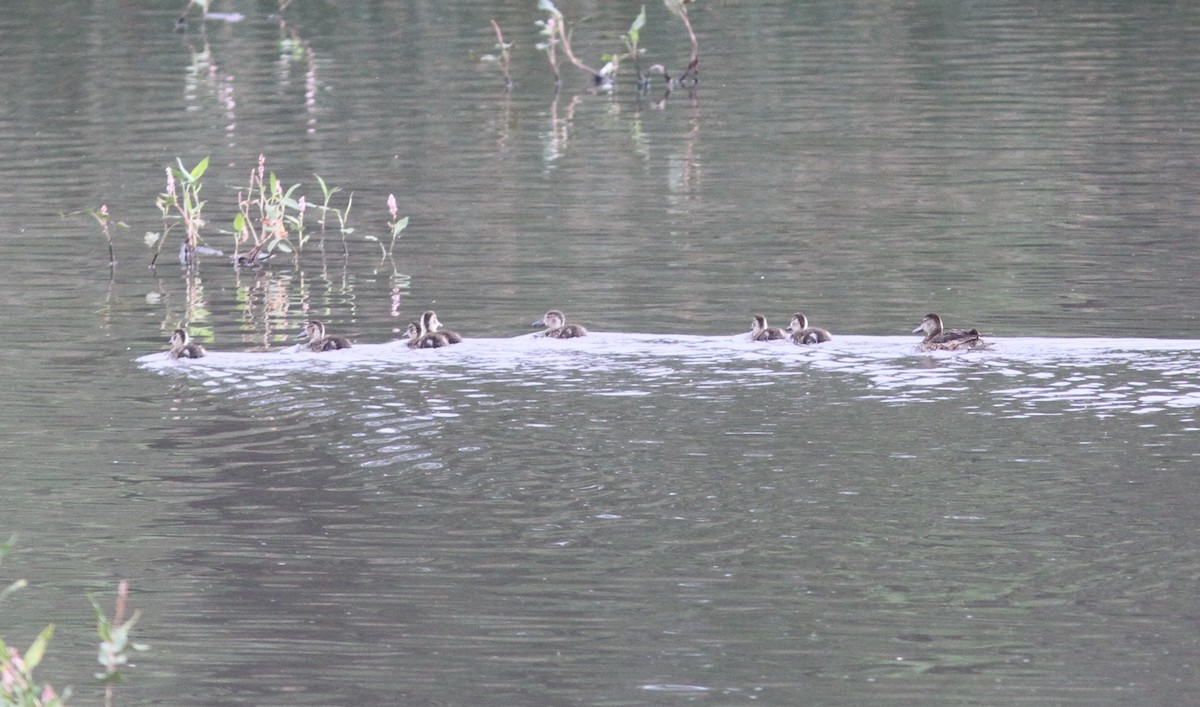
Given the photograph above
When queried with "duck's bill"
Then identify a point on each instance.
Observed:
(540, 322)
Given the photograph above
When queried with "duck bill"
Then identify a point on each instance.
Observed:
(919, 329)
(540, 322)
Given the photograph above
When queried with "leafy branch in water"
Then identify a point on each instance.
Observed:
(502, 56)
(270, 219)
(692, 74)
(114, 641)
(182, 208)
(557, 28)
(555, 34)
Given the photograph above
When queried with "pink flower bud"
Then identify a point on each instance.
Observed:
(392, 205)
(300, 205)
(170, 182)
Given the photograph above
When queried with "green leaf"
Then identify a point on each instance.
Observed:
(548, 7)
(198, 170)
(239, 223)
(283, 246)
(675, 6)
(399, 225)
(636, 27)
(33, 656)
(273, 183)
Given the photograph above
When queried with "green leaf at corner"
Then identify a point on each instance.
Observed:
(33, 656)
(239, 223)
(198, 170)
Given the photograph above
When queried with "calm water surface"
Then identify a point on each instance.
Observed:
(663, 512)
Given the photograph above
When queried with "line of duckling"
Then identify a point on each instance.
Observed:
(426, 332)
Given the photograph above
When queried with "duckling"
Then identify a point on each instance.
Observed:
(556, 326)
(430, 326)
(182, 347)
(314, 331)
(759, 331)
(937, 338)
(411, 333)
(424, 333)
(802, 333)
(418, 338)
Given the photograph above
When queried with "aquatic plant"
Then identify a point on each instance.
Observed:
(101, 216)
(18, 688)
(114, 641)
(263, 217)
(555, 28)
(691, 75)
(270, 219)
(630, 39)
(397, 224)
(501, 57)
(183, 208)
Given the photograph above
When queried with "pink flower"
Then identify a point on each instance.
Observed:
(170, 182)
(300, 205)
(392, 205)
(104, 210)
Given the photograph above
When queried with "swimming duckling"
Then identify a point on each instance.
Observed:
(431, 335)
(759, 331)
(314, 331)
(429, 320)
(182, 347)
(416, 337)
(556, 326)
(411, 333)
(937, 338)
(802, 333)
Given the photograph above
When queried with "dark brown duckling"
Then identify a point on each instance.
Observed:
(556, 326)
(802, 333)
(759, 331)
(939, 338)
(314, 331)
(182, 346)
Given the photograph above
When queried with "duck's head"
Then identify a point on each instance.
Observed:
(551, 320)
(930, 325)
(758, 323)
(799, 322)
(429, 321)
(179, 339)
(313, 330)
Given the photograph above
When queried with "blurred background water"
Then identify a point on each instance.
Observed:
(663, 512)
